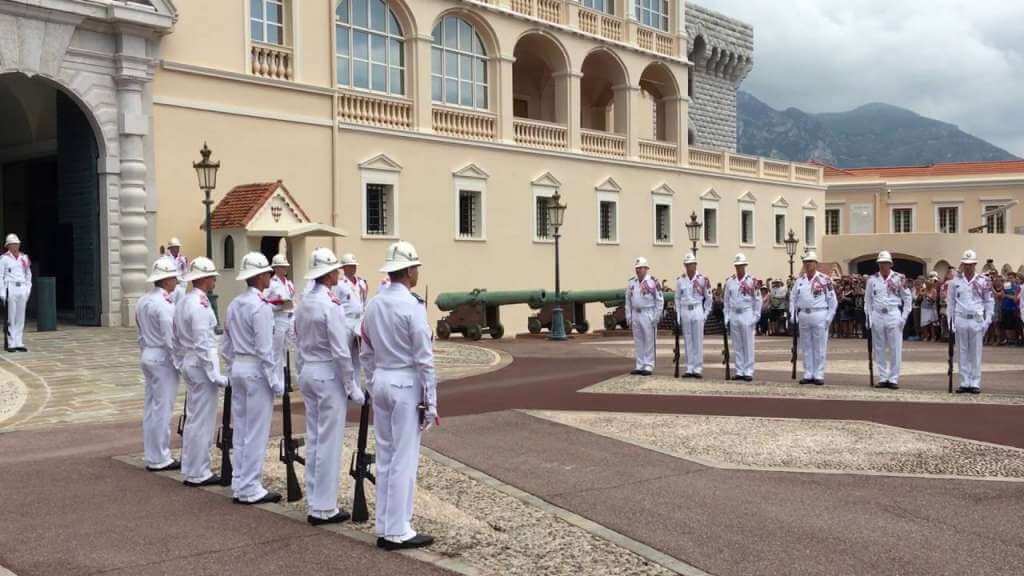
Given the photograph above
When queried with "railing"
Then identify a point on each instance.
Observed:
(772, 169)
(808, 174)
(374, 110)
(539, 134)
(271, 61)
(707, 159)
(547, 10)
(743, 165)
(603, 143)
(463, 124)
(729, 163)
(657, 151)
(650, 39)
(600, 24)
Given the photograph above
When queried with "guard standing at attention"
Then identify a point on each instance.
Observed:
(398, 357)
(971, 305)
(645, 303)
(813, 304)
(174, 251)
(887, 303)
(327, 380)
(195, 346)
(352, 290)
(15, 288)
(256, 378)
(154, 315)
(281, 296)
(693, 305)
(742, 313)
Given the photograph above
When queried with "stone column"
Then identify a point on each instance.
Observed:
(420, 82)
(627, 116)
(568, 94)
(503, 105)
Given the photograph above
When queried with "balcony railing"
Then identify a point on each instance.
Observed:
(776, 169)
(537, 134)
(808, 173)
(548, 10)
(271, 61)
(728, 163)
(655, 41)
(603, 143)
(707, 159)
(374, 110)
(463, 123)
(600, 24)
(658, 151)
(743, 165)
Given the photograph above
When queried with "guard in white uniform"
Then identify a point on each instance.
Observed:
(398, 357)
(326, 379)
(195, 346)
(154, 315)
(281, 296)
(888, 304)
(813, 305)
(742, 313)
(644, 305)
(352, 290)
(256, 378)
(693, 305)
(174, 251)
(15, 288)
(971, 305)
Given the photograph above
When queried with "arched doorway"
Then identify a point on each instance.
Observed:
(49, 191)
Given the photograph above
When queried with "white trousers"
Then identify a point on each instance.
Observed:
(887, 345)
(969, 338)
(17, 299)
(814, 342)
(252, 405)
(397, 429)
(741, 332)
(693, 333)
(200, 423)
(326, 405)
(161, 391)
(283, 336)
(644, 323)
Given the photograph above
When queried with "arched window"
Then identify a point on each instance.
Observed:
(458, 64)
(229, 253)
(370, 46)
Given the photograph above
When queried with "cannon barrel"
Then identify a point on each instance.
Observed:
(620, 298)
(447, 301)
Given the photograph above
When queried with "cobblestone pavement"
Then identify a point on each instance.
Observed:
(789, 444)
(91, 375)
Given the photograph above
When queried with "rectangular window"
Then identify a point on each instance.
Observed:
(379, 210)
(780, 229)
(470, 214)
(544, 229)
(902, 220)
(662, 223)
(609, 222)
(599, 5)
(266, 21)
(949, 219)
(653, 13)
(810, 231)
(832, 222)
(995, 224)
(746, 226)
(711, 226)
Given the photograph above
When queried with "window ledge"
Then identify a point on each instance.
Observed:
(365, 236)
(607, 242)
(664, 243)
(742, 245)
(470, 239)
(543, 240)
(709, 244)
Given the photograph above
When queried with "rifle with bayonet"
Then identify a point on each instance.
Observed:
(7, 294)
(224, 440)
(361, 462)
(289, 443)
(796, 335)
(871, 353)
(676, 354)
(725, 351)
(949, 367)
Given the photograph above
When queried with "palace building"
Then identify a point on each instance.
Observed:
(448, 123)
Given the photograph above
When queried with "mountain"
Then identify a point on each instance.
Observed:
(871, 135)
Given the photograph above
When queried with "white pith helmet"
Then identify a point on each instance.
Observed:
(322, 261)
(253, 264)
(740, 260)
(279, 260)
(163, 268)
(969, 257)
(884, 256)
(12, 239)
(401, 255)
(349, 259)
(174, 243)
(641, 262)
(200, 268)
(690, 258)
(810, 256)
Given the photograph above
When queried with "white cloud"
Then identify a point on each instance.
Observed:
(953, 60)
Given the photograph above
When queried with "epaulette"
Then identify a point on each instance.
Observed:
(418, 297)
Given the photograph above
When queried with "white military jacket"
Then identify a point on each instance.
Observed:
(882, 295)
(693, 292)
(280, 295)
(249, 331)
(321, 334)
(154, 315)
(194, 336)
(15, 271)
(812, 294)
(741, 295)
(643, 294)
(353, 299)
(971, 298)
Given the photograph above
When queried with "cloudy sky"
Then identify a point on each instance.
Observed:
(959, 61)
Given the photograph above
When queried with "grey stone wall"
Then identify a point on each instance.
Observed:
(721, 49)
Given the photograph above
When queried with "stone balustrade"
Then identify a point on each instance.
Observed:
(548, 10)
(728, 163)
(658, 151)
(743, 164)
(707, 159)
(375, 110)
(655, 41)
(603, 143)
(772, 169)
(808, 173)
(272, 61)
(600, 24)
(463, 123)
(537, 134)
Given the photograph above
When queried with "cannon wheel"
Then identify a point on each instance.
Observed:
(533, 325)
(568, 326)
(609, 322)
(497, 331)
(472, 332)
(583, 327)
(444, 330)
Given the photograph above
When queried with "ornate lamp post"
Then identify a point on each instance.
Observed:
(206, 172)
(556, 215)
(693, 228)
(791, 241)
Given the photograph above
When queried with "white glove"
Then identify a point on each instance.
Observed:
(358, 396)
(277, 384)
(430, 419)
(221, 381)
